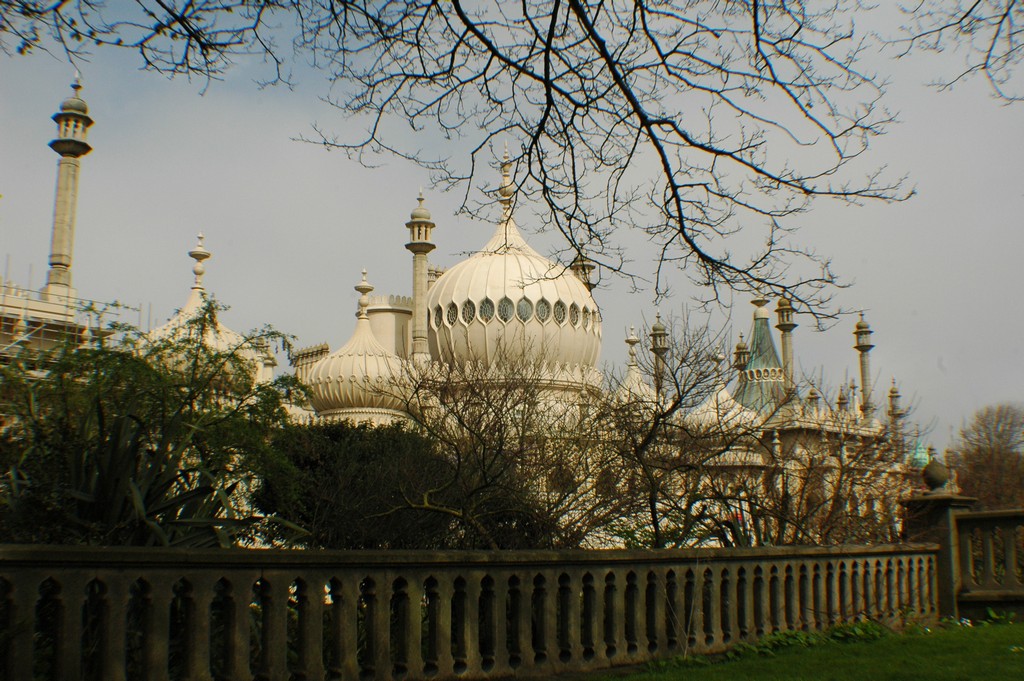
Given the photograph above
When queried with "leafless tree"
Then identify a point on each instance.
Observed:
(705, 126)
(826, 479)
(710, 471)
(652, 425)
(525, 465)
(989, 34)
(988, 456)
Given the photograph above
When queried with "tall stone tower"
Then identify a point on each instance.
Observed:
(72, 125)
(862, 333)
(420, 227)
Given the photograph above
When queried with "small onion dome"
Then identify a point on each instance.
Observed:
(634, 389)
(359, 380)
(216, 337)
(507, 300)
(720, 412)
(74, 103)
(761, 308)
(420, 212)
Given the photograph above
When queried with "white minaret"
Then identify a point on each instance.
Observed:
(420, 226)
(72, 123)
(786, 325)
(862, 332)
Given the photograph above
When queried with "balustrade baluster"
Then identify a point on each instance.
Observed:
(345, 618)
(913, 588)
(712, 607)
(933, 586)
(197, 630)
(806, 598)
(413, 626)
(988, 574)
(845, 592)
(69, 633)
(878, 590)
(501, 624)
(115, 601)
(377, 594)
(156, 629)
(791, 593)
(598, 651)
(545, 592)
(570, 587)
(697, 612)
(967, 558)
(310, 613)
(762, 603)
(777, 612)
(274, 590)
(238, 594)
(867, 592)
(522, 621)
(445, 591)
(673, 627)
(614, 596)
(631, 621)
(903, 594)
(856, 590)
(922, 585)
(832, 592)
(1010, 580)
(745, 584)
(731, 603)
(890, 590)
(819, 606)
(22, 624)
(657, 632)
(471, 644)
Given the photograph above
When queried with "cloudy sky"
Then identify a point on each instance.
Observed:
(291, 225)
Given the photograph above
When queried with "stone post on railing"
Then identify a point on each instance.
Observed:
(930, 518)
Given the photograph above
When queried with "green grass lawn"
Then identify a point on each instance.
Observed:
(942, 654)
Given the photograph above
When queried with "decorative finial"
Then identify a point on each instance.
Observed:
(631, 340)
(419, 214)
(506, 190)
(364, 288)
(759, 301)
(76, 85)
(199, 254)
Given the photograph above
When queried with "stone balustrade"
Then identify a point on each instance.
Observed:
(991, 555)
(84, 613)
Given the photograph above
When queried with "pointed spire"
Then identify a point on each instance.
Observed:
(199, 254)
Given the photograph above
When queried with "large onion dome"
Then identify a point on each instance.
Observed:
(509, 301)
(358, 381)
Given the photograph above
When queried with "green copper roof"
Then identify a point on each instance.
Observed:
(918, 456)
(766, 393)
(762, 347)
